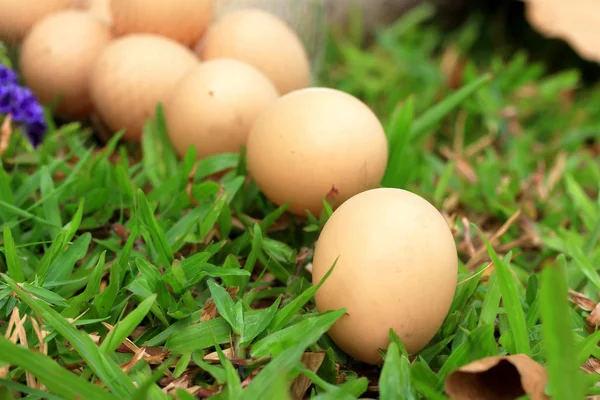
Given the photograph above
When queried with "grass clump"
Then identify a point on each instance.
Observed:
(129, 274)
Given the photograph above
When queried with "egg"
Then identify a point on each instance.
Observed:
(132, 75)
(17, 17)
(397, 268)
(181, 20)
(215, 105)
(313, 144)
(263, 40)
(99, 8)
(57, 57)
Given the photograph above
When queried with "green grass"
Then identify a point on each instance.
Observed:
(135, 247)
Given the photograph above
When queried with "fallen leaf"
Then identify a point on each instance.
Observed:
(209, 311)
(498, 378)
(214, 357)
(5, 134)
(574, 21)
(581, 300)
(591, 366)
(311, 361)
(137, 357)
(587, 304)
(593, 320)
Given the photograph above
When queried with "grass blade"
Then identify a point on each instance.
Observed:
(563, 377)
(50, 373)
(394, 381)
(288, 312)
(435, 114)
(225, 304)
(154, 230)
(279, 368)
(51, 209)
(12, 259)
(105, 368)
(510, 299)
(306, 333)
(398, 133)
(491, 302)
(251, 331)
(583, 262)
(126, 326)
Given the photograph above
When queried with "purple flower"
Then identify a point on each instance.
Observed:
(22, 105)
(7, 76)
(6, 99)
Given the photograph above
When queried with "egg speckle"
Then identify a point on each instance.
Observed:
(181, 20)
(57, 58)
(316, 142)
(397, 269)
(215, 105)
(263, 40)
(17, 17)
(132, 75)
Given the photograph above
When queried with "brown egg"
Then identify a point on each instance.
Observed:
(132, 75)
(181, 20)
(263, 40)
(99, 8)
(397, 269)
(57, 57)
(215, 105)
(17, 17)
(314, 143)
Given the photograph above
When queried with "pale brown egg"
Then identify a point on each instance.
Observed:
(181, 20)
(132, 75)
(313, 144)
(57, 58)
(215, 105)
(263, 40)
(17, 17)
(396, 268)
(99, 8)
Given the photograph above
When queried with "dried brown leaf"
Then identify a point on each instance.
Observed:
(5, 134)
(468, 243)
(463, 167)
(593, 320)
(15, 332)
(555, 175)
(452, 66)
(250, 377)
(312, 361)
(481, 253)
(209, 311)
(581, 300)
(139, 355)
(498, 378)
(182, 382)
(214, 357)
(591, 366)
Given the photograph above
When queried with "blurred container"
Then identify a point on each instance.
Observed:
(308, 18)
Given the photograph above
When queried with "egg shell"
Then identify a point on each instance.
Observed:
(57, 58)
(17, 17)
(397, 268)
(313, 142)
(98, 8)
(215, 106)
(132, 75)
(181, 20)
(263, 40)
